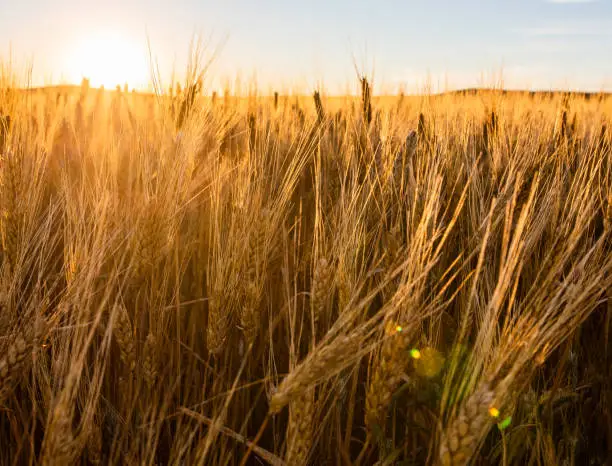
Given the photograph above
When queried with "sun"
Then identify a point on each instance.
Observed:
(109, 60)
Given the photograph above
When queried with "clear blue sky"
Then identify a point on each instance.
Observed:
(533, 43)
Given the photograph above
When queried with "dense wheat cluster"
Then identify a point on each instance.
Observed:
(305, 280)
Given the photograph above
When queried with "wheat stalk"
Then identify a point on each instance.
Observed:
(366, 101)
(608, 214)
(319, 107)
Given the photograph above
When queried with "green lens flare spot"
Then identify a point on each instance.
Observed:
(505, 423)
(398, 328)
(415, 353)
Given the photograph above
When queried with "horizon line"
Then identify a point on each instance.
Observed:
(473, 89)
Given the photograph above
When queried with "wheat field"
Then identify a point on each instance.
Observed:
(305, 280)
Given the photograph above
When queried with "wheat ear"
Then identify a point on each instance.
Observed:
(320, 364)
(124, 334)
(463, 433)
(388, 371)
(16, 357)
(219, 318)
(11, 364)
(301, 428)
(149, 363)
(322, 280)
(249, 312)
(59, 445)
(12, 216)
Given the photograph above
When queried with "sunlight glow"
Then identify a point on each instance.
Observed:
(109, 60)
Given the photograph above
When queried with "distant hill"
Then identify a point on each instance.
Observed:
(518, 92)
(68, 89)
(72, 89)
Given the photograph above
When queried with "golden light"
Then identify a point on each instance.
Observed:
(109, 60)
(429, 362)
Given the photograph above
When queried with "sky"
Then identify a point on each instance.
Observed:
(410, 45)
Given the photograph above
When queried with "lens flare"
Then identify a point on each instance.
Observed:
(429, 363)
(505, 423)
